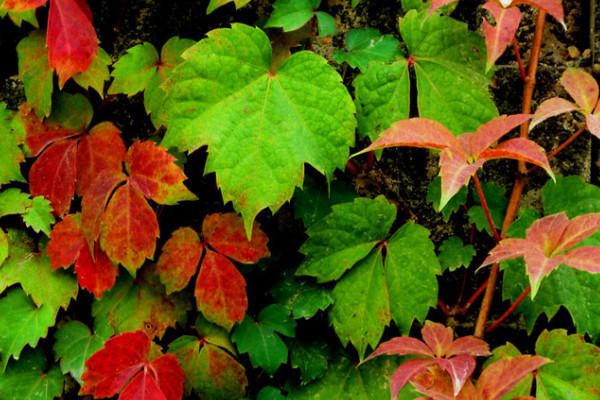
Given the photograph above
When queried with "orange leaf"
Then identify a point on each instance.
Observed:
(179, 259)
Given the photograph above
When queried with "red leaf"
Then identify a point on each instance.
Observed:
(22, 5)
(110, 368)
(459, 368)
(582, 87)
(153, 172)
(66, 240)
(100, 149)
(97, 274)
(502, 376)
(52, 175)
(437, 385)
(401, 346)
(71, 38)
(551, 108)
(129, 229)
(161, 380)
(585, 258)
(490, 132)
(221, 291)
(455, 173)
(468, 345)
(179, 259)
(226, 234)
(406, 372)
(94, 202)
(552, 7)
(520, 149)
(39, 135)
(576, 230)
(438, 337)
(499, 36)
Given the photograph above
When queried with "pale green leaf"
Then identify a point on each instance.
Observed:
(214, 4)
(13, 201)
(454, 253)
(97, 74)
(35, 71)
(11, 155)
(345, 236)
(39, 216)
(30, 379)
(366, 45)
(260, 125)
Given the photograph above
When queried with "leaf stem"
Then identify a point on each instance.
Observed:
(443, 308)
(515, 196)
(486, 209)
(518, 57)
(474, 296)
(510, 310)
(562, 146)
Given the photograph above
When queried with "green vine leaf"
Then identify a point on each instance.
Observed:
(314, 201)
(311, 358)
(214, 4)
(260, 126)
(35, 71)
(434, 195)
(39, 216)
(11, 155)
(19, 16)
(454, 253)
(497, 203)
(292, 14)
(97, 74)
(304, 299)
(13, 201)
(29, 378)
(366, 45)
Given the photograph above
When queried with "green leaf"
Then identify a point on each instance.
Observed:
(355, 3)
(326, 24)
(411, 267)
(270, 393)
(97, 74)
(134, 70)
(362, 308)
(496, 202)
(311, 358)
(30, 268)
(572, 195)
(29, 378)
(35, 71)
(304, 299)
(11, 155)
(3, 246)
(382, 97)
(260, 126)
(343, 380)
(214, 4)
(13, 201)
(449, 64)
(74, 345)
(39, 216)
(71, 111)
(454, 254)
(213, 334)
(314, 201)
(575, 370)
(435, 194)
(260, 340)
(519, 227)
(141, 304)
(21, 324)
(292, 14)
(345, 236)
(19, 17)
(366, 45)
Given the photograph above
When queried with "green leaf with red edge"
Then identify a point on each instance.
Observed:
(152, 171)
(499, 36)
(179, 259)
(225, 233)
(101, 148)
(220, 291)
(123, 364)
(575, 370)
(546, 239)
(11, 155)
(210, 371)
(97, 74)
(141, 304)
(31, 268)
(214, 4)
(22, 5)
(129, 229)
(35, 72)
(71, 38)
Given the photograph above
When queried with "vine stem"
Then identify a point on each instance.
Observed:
(521, 179)
(474, 296)
(518, 57)
(510, 310)
(486, 209)
(562, 146)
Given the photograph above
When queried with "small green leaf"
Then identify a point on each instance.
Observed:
(366, 45)
(35, 72)
(29, 379)
(292, 14)
(435, 194)
(74, 345)
(19, 16)
(303, 298)
(454, 253)
(134, 70)
(314, 201)
(278, 319)
(496, 202)
(270, 393)
(213, 334)
(71, 111)
(345, 236)
(39, 216)
(311, 358)
(214, 4)
(97, 74)
(21, 324)
(326, 24)
(13, 201)
(11, 155)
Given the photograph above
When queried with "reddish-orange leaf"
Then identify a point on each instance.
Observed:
(499, 36)
(405, 372)
(71, 38)
(456, 173)
(502, 376)
(401, 346)
(179, 259)
(582, 87)
(490, 132)
(226, 234)
(161, 379)
(469, 345)
(552, 7)
(97, 274)
(152, 171)
(438, 337)
(459, 368)
(39, 135)
(109, 369)
(129, 229)
(66, 240)
(520, 149)
(52, 175)
(551, 108)
(22, 5)
(576, 230)
(94, 202)
(100, 149)
(221, 291)
(438, 385)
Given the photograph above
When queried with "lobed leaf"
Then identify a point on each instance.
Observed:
(133, 71)
(11, 155)
(551, 108)
(311, 358)
(13, 201)
(366, 45)
(97, 74)
(453, 253)
(179, 259)
(39, 215)
(302, 298)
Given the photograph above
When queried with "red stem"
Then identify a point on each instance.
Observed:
(443, 308)
(475, 296)
(519, 61)
(562, 146)
(510, 310)
(486, 210)
(351, 168)
(370, 159)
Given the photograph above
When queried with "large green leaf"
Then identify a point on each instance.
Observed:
(411, 267)
(362, 305)
(11, 155)
(13, 201)
(343, 380)
(21, 324)
(345, 236)
(30, 268)
(575, 370)
(29, 378)
(260, 125)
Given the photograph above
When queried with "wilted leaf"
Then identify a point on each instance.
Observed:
(366, 45)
